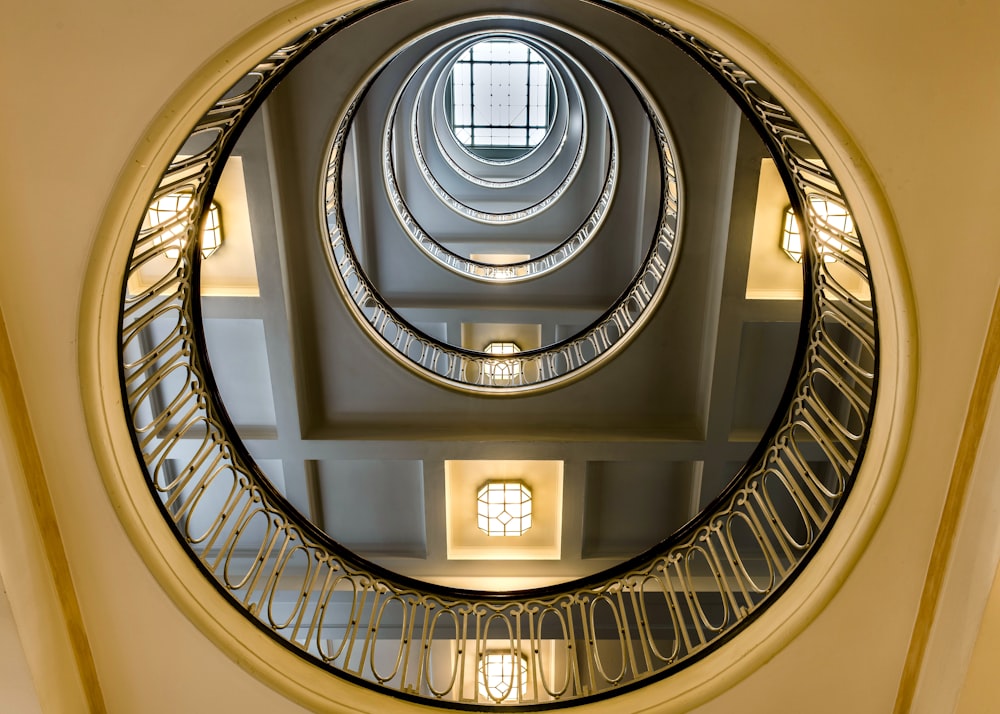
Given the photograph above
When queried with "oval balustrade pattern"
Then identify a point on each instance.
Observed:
(582, 640)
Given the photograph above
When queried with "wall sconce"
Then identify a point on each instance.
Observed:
(825, 213)
(498, 680)
(502, 371)
(791, 237)
(169, 215)
(504, 508)
(211, 234)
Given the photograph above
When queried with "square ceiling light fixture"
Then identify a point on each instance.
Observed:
(504, 508)
(502, 371)
(464, 479)
(826, 213)
(499, 681)
(169, 215)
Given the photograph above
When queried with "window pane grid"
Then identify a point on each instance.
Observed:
(500, 95)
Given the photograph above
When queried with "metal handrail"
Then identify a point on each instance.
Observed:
(614, 631)
(545, 367)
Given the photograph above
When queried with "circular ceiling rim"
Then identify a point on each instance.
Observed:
(263, 657)
(558, 140)
(748, 497)
(483, 160)
(499, 183)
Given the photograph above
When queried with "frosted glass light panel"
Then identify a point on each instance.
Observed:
(500, 98)
(833, 221)
(504, 508)
(502, 676)
(170, 217)
(502, 371)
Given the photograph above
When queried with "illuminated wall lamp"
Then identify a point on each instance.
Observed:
(502, 371)
(498, 680)
(503, 508)
(169, 216)
(826, 213)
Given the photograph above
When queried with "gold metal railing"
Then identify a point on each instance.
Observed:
(582, 640)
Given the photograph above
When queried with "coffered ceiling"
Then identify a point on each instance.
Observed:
(363, 446)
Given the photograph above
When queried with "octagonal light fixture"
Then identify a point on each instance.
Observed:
(169, 215)
(832, 219)
(502, 371)
(502, 676)
(791, 236)
(504, 508)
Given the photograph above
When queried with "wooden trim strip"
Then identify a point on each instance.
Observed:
(961, 475)
(26, 449)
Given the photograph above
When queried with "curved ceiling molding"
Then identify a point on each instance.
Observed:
(562, 116)
(554, 258)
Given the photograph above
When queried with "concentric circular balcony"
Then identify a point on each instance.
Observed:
(783, 460)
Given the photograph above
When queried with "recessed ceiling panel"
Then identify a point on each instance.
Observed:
(542, 541)
(766, 352)
(239, 354)
(773, 275)
(476, 335)
(232, 269)
(632, 505)
(374, 507)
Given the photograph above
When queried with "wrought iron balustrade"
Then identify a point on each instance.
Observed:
(620, 629)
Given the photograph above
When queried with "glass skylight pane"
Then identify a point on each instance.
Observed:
(518, 51)
(482, 94)
(498, 137)
(518, 80)
(461, 74)
(462, 114)
(461, 78)
(461, 95)
(500, 94)
(482, 51)
(508, 137)
(538, 95)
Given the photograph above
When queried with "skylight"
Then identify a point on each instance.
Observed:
(500, 98)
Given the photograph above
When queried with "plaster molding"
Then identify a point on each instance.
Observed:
(42, 597)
